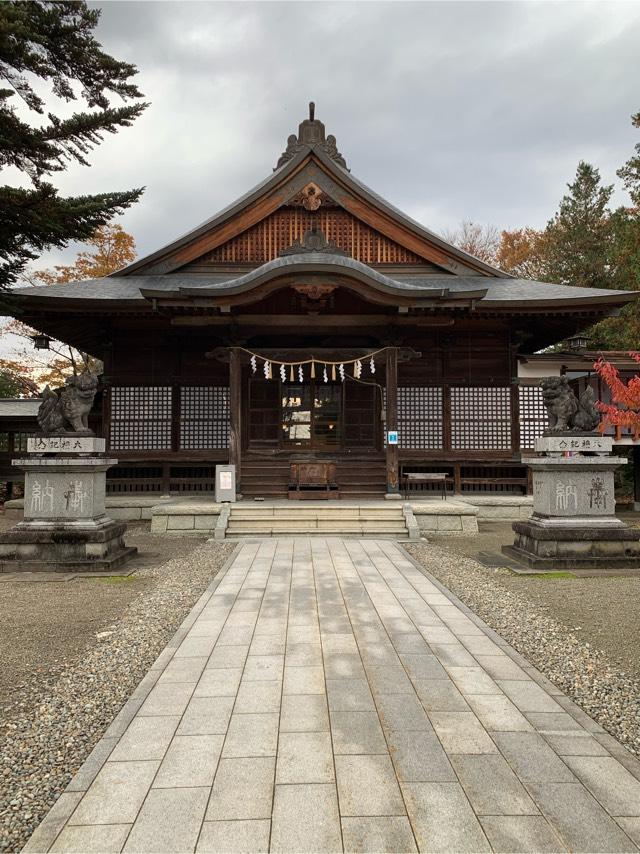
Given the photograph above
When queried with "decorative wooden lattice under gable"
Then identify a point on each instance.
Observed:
(266, 240)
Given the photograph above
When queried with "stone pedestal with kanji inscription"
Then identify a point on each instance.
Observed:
(65, 526)
(573, 524)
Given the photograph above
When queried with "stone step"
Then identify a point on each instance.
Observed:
(305, 512)
(326, 527)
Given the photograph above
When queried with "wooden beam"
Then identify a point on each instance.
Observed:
(235, 416)
(311, 320)
(392, 419)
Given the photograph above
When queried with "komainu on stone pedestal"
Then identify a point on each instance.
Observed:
(65, 526)
(573, 524)
(565, 411)
(66, 410)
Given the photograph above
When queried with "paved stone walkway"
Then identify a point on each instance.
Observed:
(328, 696)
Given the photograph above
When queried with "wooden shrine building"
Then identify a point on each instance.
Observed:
(312, 320)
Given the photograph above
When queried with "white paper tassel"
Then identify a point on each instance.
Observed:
(300, 374)
(358, 369)
(341, 372)
(324, 375)
(283, 374)
(266, 369)
(372, 366)
(254, 365)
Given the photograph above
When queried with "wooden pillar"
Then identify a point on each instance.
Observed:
(235, 413)
(392, 418)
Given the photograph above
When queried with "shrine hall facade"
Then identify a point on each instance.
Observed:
(312, 320)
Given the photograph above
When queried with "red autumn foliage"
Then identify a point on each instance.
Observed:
(625, 409)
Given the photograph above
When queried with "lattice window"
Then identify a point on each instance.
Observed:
(264, 241)
(141, 418)
(480, 418)
(533, 415)
(204, 417)
(420, 417)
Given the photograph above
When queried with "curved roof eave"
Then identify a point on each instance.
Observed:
(319, 262)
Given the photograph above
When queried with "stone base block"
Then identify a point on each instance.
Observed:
(541, 545)
(64, 547)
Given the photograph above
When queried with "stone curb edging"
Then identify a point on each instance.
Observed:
(51, 825)
(615, 748)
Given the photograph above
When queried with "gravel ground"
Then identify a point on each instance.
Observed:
(529, 614)
(601, 611)
(58, 713)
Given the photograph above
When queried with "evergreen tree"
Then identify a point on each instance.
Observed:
(579, 238)
(630, 172)
(54, 42)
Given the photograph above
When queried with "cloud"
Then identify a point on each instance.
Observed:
(450, 110)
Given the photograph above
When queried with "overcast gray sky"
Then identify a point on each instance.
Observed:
(449, 110)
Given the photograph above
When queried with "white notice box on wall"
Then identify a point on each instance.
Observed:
(225, 483)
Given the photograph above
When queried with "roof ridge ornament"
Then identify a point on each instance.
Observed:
(311, 134)
(314, 240)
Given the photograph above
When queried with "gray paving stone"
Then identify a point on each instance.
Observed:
(303, 680)
(491, 786)
(219, 682)
(367, 785)
(258, 697)
(146, 738)
(304, 757)
(357, 732)
(92, 839)
(389, 679)
(304, 713)
(473, 680)
(92, 765)
(440, 695)
(206, 716)
(194, 646)
(349, 695)
(260, 668)
(390, 833)
(242, 789)
(501, 667)
(228, 656)
(528, 696)
(553, 722)
(616, 789)
(305, 818)
(631, 827)
(461, 732)
(183, 670)
(452, 654)
(497, 713)
(578, 819)
(267, 645)
(521, 834)
(252, 735)
(117, 793)
(402, 711)
(234, 837)
(191, 761)
(339, 643)
(423, 666)
(442, 819)
(304, 654)
(577, 743)
(418, 757)
(168, 698)
(169, 821)
(343, 665)
(531, 758)
(410, 642)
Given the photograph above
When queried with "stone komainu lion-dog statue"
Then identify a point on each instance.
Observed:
(567, 413)
(66, 410)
